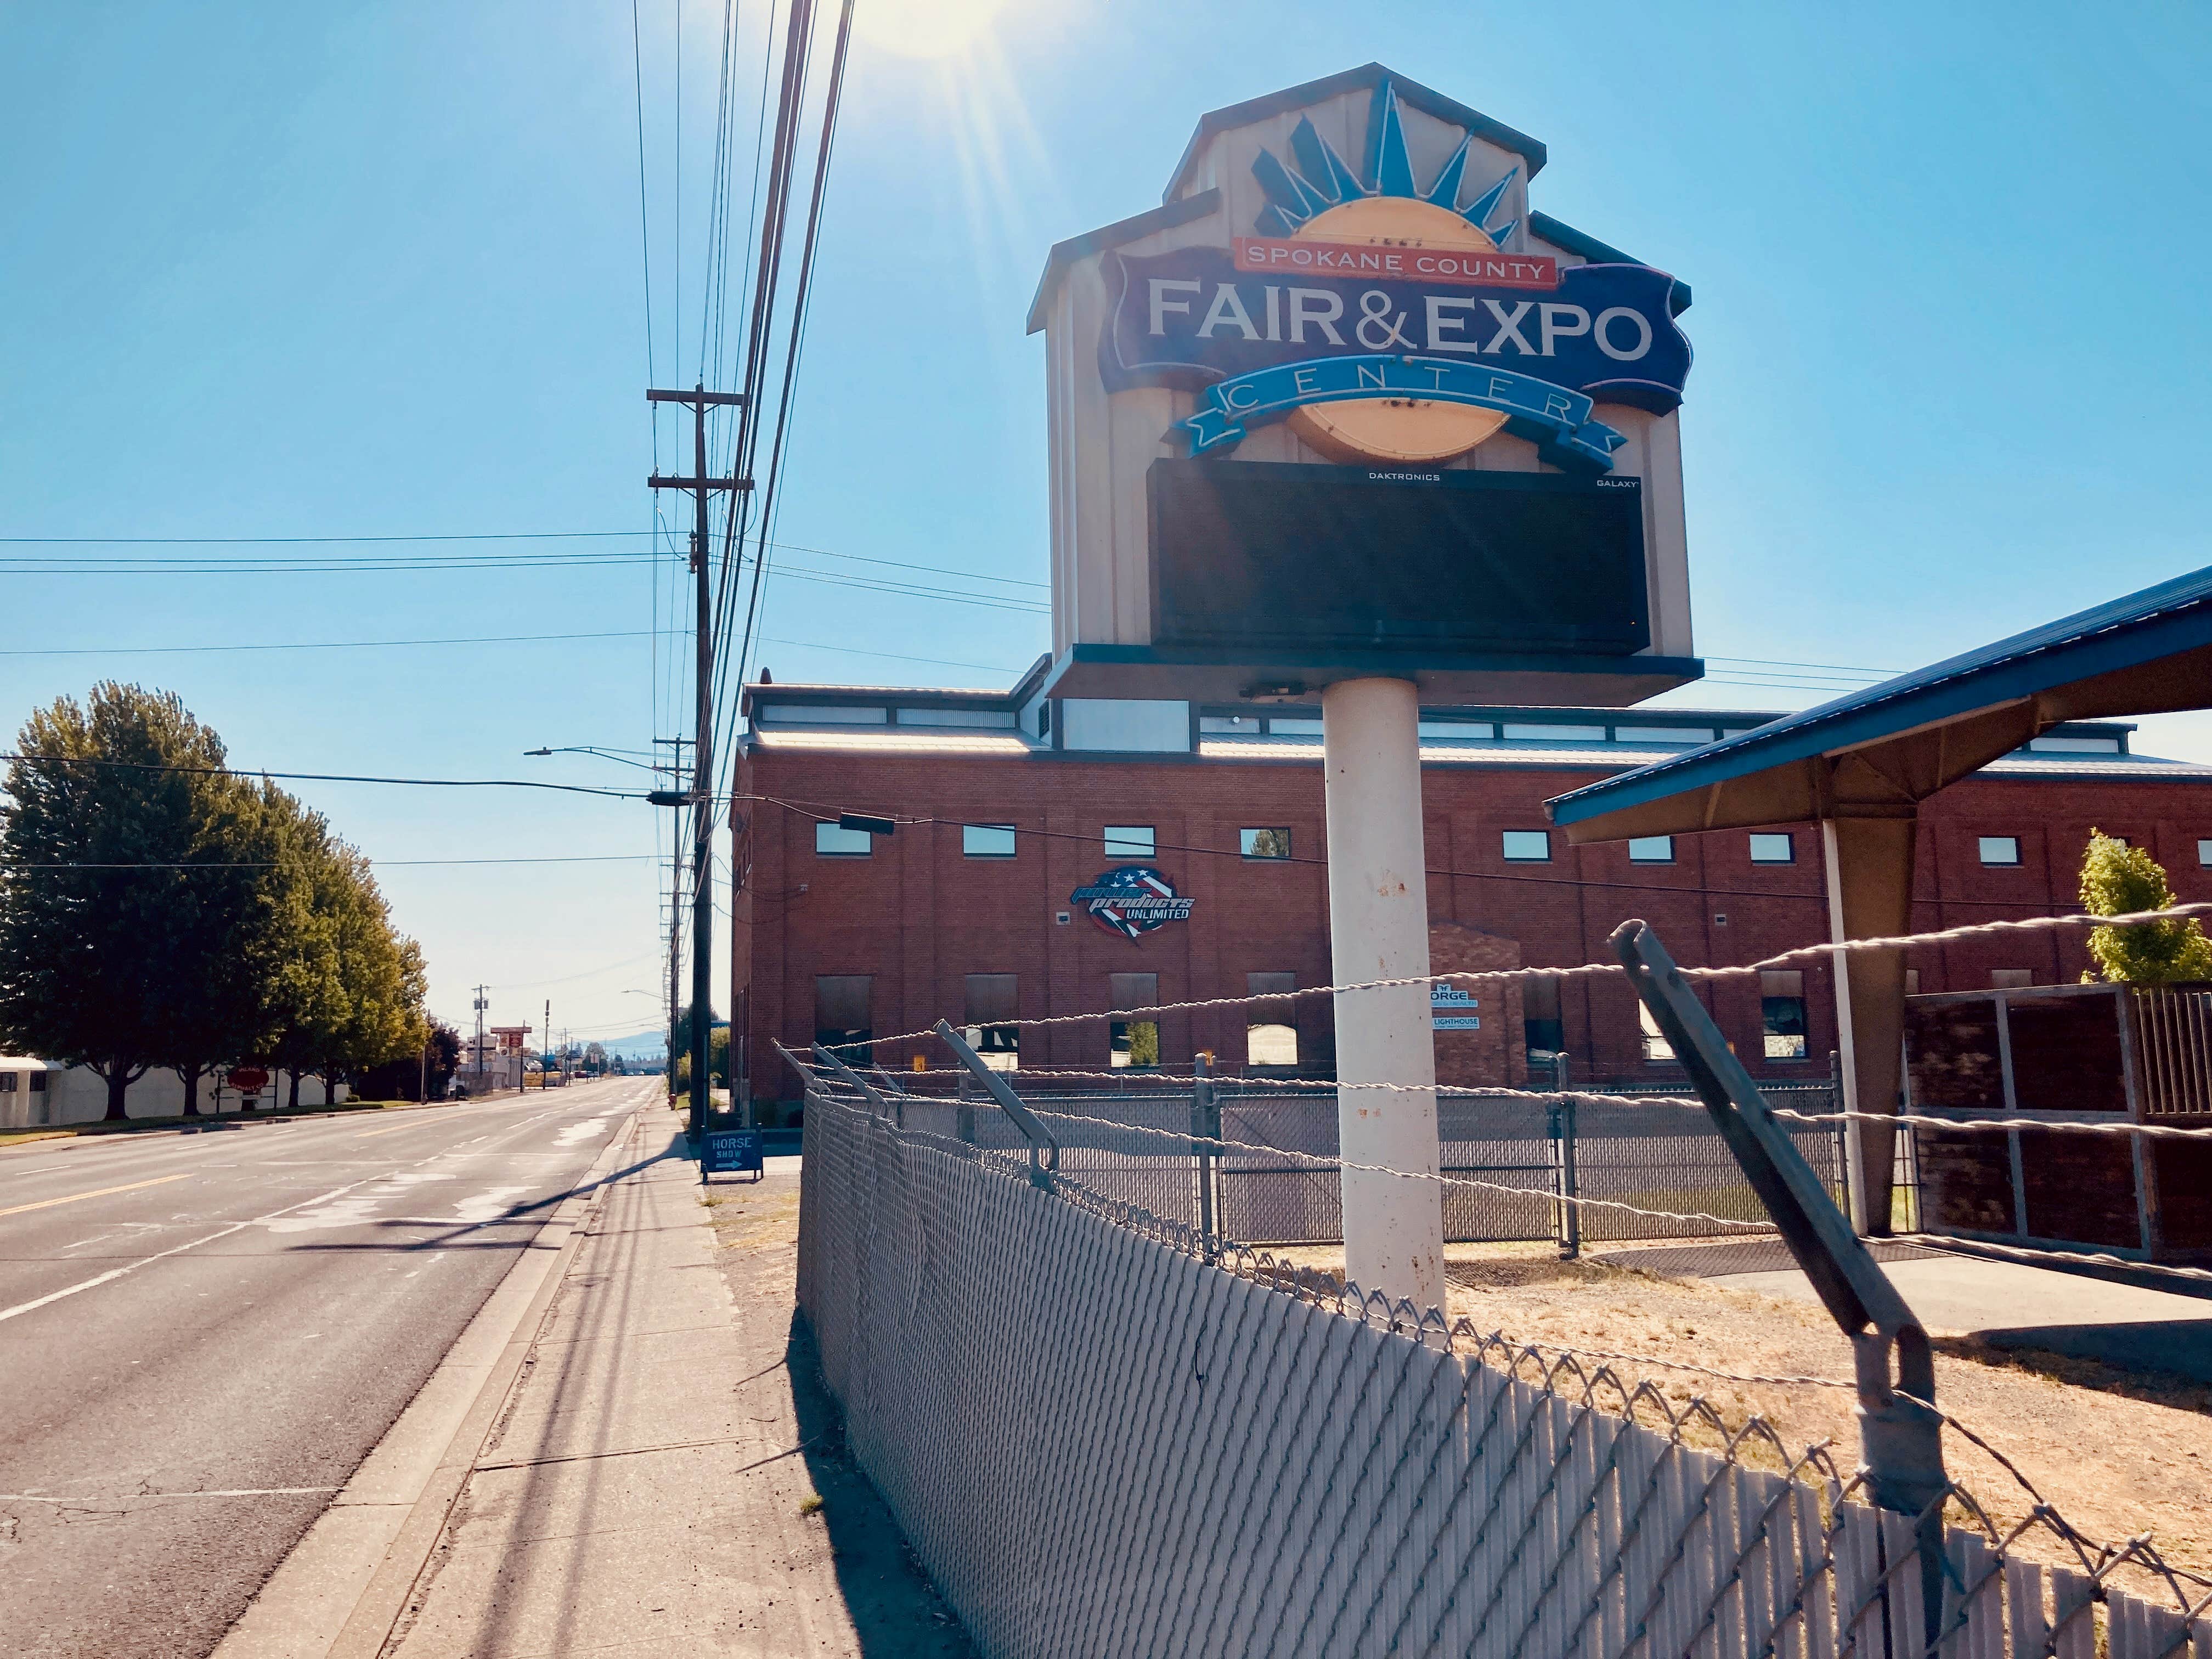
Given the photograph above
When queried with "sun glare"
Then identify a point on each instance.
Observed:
(924, 28)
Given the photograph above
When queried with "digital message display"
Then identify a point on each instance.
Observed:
(1264, 556)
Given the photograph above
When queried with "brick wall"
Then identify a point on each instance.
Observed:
(918, 916)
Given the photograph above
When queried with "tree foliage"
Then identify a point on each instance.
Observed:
(2120, 880)
(156, 909)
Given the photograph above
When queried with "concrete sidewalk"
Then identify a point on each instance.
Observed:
(2014, 1305)
(667, 1476)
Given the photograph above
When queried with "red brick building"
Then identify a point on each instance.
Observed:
(843, 934)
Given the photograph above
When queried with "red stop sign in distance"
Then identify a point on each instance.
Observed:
(248, 1080)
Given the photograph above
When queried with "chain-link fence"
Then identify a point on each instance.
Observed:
(1269, 1184)
(1106, 1433)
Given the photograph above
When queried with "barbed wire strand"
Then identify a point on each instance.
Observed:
(1320, 1161)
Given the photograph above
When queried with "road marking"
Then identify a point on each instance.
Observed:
(143, 1497)
(131, 1186)
(113, 1273)
(393, 1130)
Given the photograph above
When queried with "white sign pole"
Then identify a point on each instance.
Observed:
(1378, 917)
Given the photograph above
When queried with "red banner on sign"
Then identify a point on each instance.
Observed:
(247, 1079)
(1459, 267)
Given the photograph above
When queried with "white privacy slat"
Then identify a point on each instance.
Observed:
(2073, 1615)
(1860, 1611)
(2024, 1612)
(1817, 1619)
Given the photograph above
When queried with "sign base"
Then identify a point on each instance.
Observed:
(1208, 674)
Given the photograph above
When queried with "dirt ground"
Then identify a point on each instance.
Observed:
(2152, 1435)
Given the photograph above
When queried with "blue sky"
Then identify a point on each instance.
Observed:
(374, 269)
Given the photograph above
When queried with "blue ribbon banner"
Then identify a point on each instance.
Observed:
(1255, 344)
(1550, 415)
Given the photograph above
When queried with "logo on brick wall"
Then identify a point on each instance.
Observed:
(1131, 900)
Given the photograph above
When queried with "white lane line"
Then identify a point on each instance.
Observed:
(113, 1273)
(142, 1497)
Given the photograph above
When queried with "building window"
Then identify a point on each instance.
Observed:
(2000, 849)
(1130, 841)
(1136, 1042)
(1782, 1011)
(832, 843)
(1271, 1031)
(1773, 849)
(994, 1006)
(1651, 850)
(1133, 1041)
(7, 1083)
(1541, 1025)
(2204, 854)
(1655, 1047)
(1264, 843)
(2011, 979)
(987, 841)
(843, 1023)
(1912, 982)
(1527, 845)
(37, 1083)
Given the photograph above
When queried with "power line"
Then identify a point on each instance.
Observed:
(382, 864)
(314, 541)
(324, 645)
(809, 247)
(326, 777)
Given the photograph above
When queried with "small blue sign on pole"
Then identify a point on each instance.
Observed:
(732, 1151)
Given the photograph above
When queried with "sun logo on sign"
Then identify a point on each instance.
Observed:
(1322, 199)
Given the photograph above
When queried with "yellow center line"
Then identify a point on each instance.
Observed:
(48, 1203)
(393, 1130)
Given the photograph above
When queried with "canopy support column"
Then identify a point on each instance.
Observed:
(1869, 869)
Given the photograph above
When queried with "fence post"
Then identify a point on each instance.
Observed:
(1044, 1150)
(882, 1107)
(1205, 1129)
(1898, 1427)
(1564, 1130)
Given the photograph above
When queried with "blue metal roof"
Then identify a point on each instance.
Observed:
(2173, 616)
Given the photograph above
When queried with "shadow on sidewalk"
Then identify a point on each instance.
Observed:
(897, 1612)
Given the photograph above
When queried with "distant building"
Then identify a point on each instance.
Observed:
(1094, 855)
(38, 1093)
(495, 1060)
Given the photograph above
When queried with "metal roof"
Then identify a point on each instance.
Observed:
(1896, 743)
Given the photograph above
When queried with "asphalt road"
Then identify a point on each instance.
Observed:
(202, 1336)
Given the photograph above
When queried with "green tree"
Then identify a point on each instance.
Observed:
(227, 937)
(683, 1028)
(304, 1006)
(121, 883)
(2120, 880)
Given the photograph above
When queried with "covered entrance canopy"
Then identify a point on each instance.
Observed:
(1860, 766)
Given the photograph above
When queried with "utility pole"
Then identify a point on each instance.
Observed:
(479, 1054)
(549, 1039)
(675, 937)
(703, 490)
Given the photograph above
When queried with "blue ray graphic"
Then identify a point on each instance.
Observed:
(1318, 179)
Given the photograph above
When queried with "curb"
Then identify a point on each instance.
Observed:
(319, 1603)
